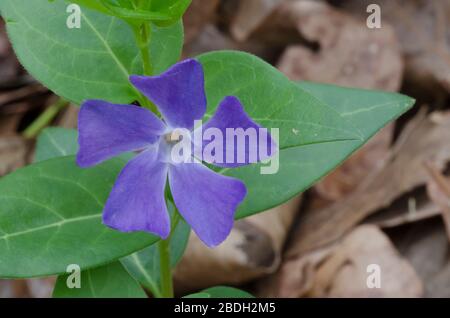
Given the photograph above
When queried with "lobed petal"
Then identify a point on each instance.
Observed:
(137, 201)
(179, 93)
(230, 114)
(107, 130)
(206, 200)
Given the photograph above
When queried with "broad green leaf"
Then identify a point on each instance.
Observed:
(39, 244)
(368, 111)
(109, 281)
(91, 4)
(50, 217)
(144, 265)
(173, 8)
(272, 100)
(56, 142)
(133, 15)
(313, 137)
(125, 10)
(164, 12)
(221, 292)
(93, 62)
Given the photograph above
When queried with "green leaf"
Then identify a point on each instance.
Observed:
(140, 15)
(56, 142)
(300, 167)
(93, 62)
(37, 246)
(173, 8)
(162, 13)
(221, 292)
(315, 123)
(50, 217)
(271, 99)
(110, 281)
(144, 265)
(91, 4)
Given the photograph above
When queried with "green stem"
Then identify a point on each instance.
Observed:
(166, 269)
(143, 37)
(44, 119)
(164, 260)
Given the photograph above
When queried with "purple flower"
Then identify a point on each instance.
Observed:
(206, 199)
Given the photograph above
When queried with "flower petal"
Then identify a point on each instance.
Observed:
(137, 201)
(107, 130)
(206, 200)
(179, 93)
(257, 146)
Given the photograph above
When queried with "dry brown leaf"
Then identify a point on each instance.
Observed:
(41, 287)
(409, 208)
(340, 270)
(199, 14)
(345, 272)
(20, 94)
(423, 28)
(253, 249)
(438, 285)
(9, 124)
(29, 288)
(14, 153)
(295, 278)
(250, 15)
(425, 245)
(13, 289)
(209, 39)
(9, 66)
(349, 175)
(69, 117)
(424, 139)
(349, 53)
(438, 189)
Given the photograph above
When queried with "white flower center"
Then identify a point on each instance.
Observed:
(173, 137)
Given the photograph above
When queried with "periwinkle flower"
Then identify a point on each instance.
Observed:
(206, 200)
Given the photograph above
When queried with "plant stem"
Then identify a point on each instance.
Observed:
(143, 37)
(165, 268)
(164, 260)
(44, 119)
